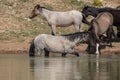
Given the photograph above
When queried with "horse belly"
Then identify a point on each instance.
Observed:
(54, 46)
(104, 25)
(64, 22)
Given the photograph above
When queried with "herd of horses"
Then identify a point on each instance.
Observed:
(103, 22)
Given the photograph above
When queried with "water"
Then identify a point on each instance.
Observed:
(86, 67)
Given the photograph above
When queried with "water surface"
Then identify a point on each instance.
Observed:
(86, 67)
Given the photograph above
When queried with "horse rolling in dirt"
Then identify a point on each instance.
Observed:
(57, 44)
(87, 10)
(99, 25)
(55, 18)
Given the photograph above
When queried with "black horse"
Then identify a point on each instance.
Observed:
(118, 33)
(93, 11)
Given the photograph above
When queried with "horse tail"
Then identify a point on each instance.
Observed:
(113, 33)
(32, 49)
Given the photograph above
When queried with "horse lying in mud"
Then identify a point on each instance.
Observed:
(57, 44)
(93, 11)
(61, 19)
(100, 25)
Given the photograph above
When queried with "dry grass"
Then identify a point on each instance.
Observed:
(13, 26)
(16, 32)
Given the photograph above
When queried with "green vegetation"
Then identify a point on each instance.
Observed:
(97, 3)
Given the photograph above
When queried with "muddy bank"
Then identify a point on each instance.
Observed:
(22, 48)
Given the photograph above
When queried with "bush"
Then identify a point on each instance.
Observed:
(97, 3)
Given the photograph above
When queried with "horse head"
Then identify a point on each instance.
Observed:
(88, 10)
(36, 11)
(92, 41)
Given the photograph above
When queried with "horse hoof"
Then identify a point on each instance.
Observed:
(77, 54)
(97, 53)
(31, 55)
(63, 54)
(118, 34)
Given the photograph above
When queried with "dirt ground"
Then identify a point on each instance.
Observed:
(13, 13)
(22, 48)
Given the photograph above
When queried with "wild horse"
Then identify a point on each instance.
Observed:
(61, 19)
(57, 44)
(99, 25)
(87, 10)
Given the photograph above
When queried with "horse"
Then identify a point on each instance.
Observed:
(57, 44)
(87, 10)
(118, 30)
(58, 19)
(99, 25)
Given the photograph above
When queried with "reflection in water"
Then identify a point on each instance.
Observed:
(56, 69)
(104, 68)
(14, 68)
(86, 67)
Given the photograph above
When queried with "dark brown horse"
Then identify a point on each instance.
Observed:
(93, 11)
(99, 25)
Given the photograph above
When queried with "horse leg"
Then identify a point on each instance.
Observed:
(64, 54)
(97, 42)
(53, 27)
(110, 33)
(77, 28)
(39, 51)
(118, 31)
(71, 51)
(97, 48)
(46, 53)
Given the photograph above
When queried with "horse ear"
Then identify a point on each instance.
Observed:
(86, 7)
(38, 6)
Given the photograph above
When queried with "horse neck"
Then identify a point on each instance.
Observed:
(79, 40)
(104, 9)
(45, 13)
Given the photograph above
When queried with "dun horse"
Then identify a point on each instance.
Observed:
(87, 10)
(57, 44)
(61, 19)
(99, 25)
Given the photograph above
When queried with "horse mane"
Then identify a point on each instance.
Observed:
(41, 7)
(107, 9)
(102, 8)
(74, 36)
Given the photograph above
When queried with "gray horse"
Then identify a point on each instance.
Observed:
(61, 19)
(57, 44)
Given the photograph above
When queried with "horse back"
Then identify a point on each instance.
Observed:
(116, 17)
(105, 17)
(102, 22)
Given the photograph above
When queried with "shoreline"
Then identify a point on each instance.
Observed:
(22, 48)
